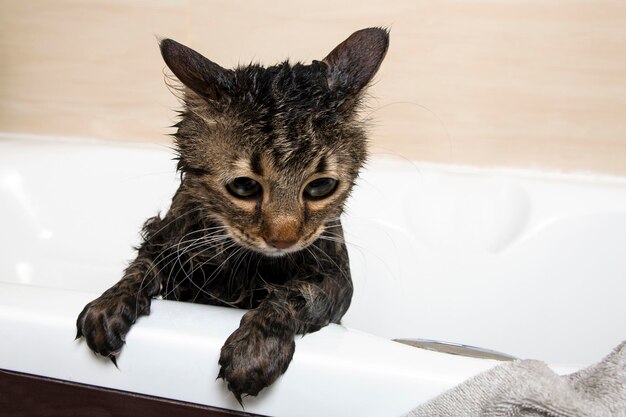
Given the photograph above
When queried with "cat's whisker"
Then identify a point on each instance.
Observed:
(378, 225)
(206, 280)
(213, 232)
(189, 260)
(183, 253)
(214, 274)
(238, 263)
(180, 242)
(189, 247)
(186, 213)
(206, 245)
(315, 257)
(180, 216)
(361, 249)
(332, 226)
(187, 275)
(159, 263)
(341, 271)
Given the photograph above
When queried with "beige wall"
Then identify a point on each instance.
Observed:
(487, 82)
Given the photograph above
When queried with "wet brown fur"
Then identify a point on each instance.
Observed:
(283, 126)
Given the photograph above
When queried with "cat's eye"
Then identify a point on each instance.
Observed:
(244, 187)
(320, 188)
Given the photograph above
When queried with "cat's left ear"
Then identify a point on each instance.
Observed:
(355, 61)
(200, 74)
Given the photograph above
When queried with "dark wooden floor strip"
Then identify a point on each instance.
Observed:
(35, 396)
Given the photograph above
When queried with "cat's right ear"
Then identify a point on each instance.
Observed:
(198, 73)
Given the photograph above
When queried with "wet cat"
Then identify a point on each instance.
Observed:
(267, 158)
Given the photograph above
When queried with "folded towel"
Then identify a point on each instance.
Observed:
(528, 388)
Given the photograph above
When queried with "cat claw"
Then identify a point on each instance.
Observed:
(239, 400)
(114, 360)
(237, 395)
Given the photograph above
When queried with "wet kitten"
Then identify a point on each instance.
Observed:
(268, 157)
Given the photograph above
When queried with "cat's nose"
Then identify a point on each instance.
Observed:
(281, 244)
(280, 231)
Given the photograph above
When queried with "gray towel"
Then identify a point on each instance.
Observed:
(528, 388)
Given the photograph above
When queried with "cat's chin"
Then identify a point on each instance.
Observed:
(277, 253)
(270, 251)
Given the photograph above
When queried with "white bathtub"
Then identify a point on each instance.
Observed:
(529, 264)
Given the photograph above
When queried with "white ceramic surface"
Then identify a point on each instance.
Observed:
(525, 263)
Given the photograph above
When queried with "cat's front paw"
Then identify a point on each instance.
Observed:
(105, 321)
(251, 359)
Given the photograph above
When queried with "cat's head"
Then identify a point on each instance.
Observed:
(272, 153)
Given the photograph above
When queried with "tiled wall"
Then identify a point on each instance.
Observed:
(515, 83)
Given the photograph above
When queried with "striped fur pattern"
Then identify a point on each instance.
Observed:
(268, 156)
